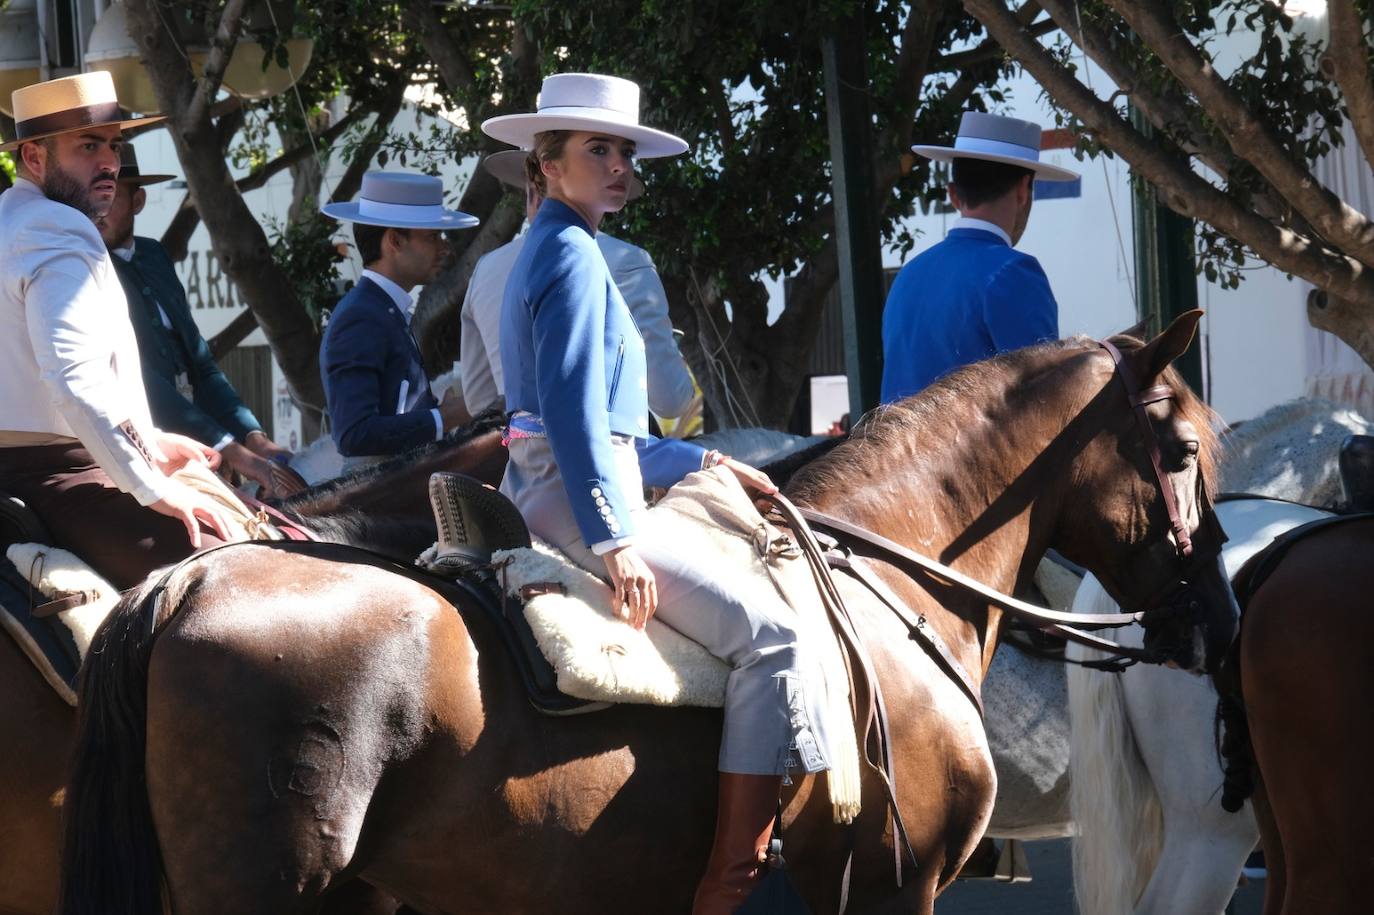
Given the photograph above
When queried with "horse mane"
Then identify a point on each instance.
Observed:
(1000, 379)
(302, 502)
(399, 538)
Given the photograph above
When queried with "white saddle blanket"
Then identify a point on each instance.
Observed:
(597, 656)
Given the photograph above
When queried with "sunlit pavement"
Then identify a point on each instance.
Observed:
(1051, 890)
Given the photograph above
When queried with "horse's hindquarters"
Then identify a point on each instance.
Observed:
(277, 695)
(1307, 678)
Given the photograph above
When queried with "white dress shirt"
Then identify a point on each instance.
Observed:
(68, 356)
(670, 383)
(968, 222)
(407, 306)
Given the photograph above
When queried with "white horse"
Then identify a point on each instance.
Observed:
(1289, 452)
(1145, 778)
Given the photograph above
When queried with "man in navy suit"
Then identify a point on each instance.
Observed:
(374, 380)
(187, 392)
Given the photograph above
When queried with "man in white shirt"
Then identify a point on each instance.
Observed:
(671, 390)
(77, 443)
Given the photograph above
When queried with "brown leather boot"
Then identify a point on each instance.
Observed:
(744, 824)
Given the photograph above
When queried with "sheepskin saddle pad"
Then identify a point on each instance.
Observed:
(55, 642)
(598, 657)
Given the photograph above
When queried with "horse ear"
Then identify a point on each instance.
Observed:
(1154, 357)
(1139, 330)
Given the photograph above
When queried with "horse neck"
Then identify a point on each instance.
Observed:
(979, 489)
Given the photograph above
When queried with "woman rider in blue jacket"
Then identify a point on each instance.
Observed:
(580, 454)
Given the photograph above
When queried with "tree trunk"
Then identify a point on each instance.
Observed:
(238, 239)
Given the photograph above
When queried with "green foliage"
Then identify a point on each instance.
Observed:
(7, 166)
(305, 252)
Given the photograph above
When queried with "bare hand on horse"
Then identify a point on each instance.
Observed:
(193, 509)
(636, 592)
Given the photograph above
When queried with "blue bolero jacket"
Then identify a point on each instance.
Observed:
(375, 384)
(573, 357)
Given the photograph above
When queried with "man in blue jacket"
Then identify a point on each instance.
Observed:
(973, 295)
(374, 380)
(187, 392)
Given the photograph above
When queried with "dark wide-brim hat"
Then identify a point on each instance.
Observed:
(508, 167)
(401, 200)
(66, 104)
(994, 138)
(129, 172)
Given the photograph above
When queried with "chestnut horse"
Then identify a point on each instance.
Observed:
(281, 720)
(385, 507)
(1306, 653)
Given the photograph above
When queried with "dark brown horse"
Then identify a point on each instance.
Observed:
(385, 507)
(281, 721)
(1306, 655)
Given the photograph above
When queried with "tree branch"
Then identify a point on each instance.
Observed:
(423, 19)
(1182, 190)
(178, 234)
(221, 49)
(1348, 64)
(233, 334)
(989, 50)
(1339, 223)
(1169, 113)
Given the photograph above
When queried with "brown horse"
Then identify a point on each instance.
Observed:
(1306, 655)
(298, 721)
(385, 507)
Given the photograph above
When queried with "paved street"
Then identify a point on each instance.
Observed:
(1051, 892)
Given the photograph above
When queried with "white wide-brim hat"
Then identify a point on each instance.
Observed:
(400, 200)
(586, 101)
(994, 138)
(508, 167)
(66, 104)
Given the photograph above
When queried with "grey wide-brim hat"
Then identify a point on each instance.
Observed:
(994, 138)
(586, 101)
(508, 167)
(400, 200)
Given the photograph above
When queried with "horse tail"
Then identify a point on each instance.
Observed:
(110, 856)
(1117, 814)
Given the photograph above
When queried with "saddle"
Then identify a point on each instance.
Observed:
(559, 618)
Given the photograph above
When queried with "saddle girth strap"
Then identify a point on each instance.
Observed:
(875, 719)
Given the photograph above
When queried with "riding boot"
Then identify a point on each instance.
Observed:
(744, 824)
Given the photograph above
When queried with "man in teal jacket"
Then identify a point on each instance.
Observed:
(187, 392)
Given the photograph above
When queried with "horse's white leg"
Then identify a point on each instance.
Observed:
(1171, 715)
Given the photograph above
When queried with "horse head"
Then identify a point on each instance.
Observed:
(1139, 512)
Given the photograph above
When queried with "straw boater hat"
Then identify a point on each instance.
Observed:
(508, 167)
(586, 101)
(400, 200)
(128, 169)
(994, 138)
(63, 105)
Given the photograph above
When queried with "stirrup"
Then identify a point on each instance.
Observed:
(474, 520)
